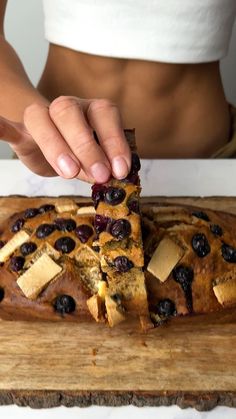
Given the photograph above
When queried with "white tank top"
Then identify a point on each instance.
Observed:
(177, 31)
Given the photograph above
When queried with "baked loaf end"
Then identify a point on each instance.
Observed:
(190, 260)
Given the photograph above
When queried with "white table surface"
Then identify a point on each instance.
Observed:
(159, 177)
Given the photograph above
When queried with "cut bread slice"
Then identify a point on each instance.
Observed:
(118, 227)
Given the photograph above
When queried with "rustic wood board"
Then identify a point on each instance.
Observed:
(189, 362)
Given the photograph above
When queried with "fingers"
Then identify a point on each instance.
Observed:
(68, 117)
(59, 139)
(53, 146)
(105, 118)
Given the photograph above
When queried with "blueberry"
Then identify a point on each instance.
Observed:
(64, 304)
(228, 253)
(46, 208)
(1, 294)
(64, 244)
(31, 212)
(84, 232)
(65, 224)
(184, 276)
(17, 226)
(100, 223)
(200, 214)
(133, 206)
(123, 264)
(114, 196)
(28, 248)
(1, 244)
(44, 230)
(166, 308)
(200, 245)
(17, 263)
(216, 229)
(120, 229)
(98, 192)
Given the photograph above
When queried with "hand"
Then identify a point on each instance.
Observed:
(58, 139)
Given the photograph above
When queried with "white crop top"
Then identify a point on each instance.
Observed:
(178, 31)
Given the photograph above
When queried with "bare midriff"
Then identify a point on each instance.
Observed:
(178, 110)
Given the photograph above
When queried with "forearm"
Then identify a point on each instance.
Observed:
(16, 90)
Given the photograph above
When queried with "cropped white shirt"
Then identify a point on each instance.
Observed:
(174, 31)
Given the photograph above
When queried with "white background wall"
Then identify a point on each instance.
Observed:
(24, 30)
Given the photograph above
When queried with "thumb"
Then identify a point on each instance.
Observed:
(23, 145)
(13, 132)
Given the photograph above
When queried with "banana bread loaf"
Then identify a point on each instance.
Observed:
(51, 264)
(74, 262)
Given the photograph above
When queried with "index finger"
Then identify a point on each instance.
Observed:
(104, 117)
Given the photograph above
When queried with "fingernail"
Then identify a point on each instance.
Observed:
(100, 172)
(67, 166)
(119, 167)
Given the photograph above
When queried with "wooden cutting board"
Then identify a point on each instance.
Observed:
(189, 362)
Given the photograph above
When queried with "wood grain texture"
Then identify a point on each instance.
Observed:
(189, 362)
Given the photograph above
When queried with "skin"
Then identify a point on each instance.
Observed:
(178, 110)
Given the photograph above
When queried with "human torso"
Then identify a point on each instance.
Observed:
(178, 110)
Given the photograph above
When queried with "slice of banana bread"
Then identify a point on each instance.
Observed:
(119, 240)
